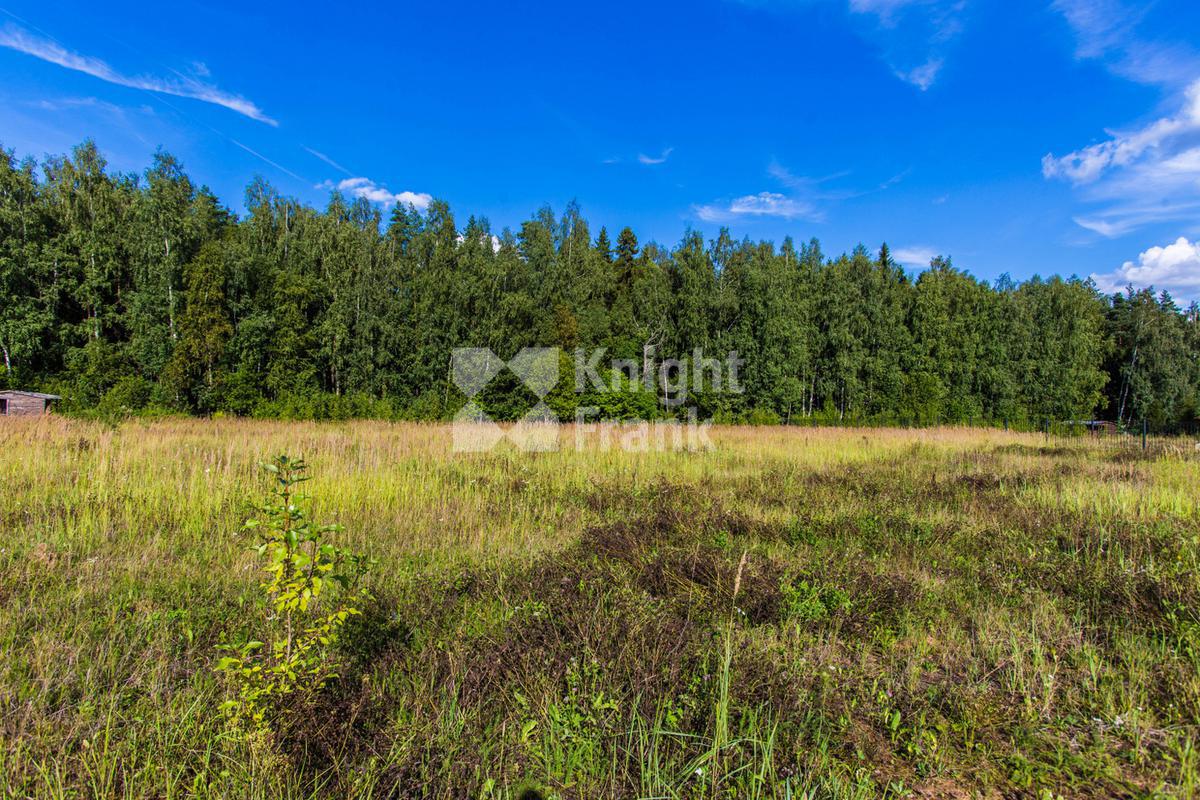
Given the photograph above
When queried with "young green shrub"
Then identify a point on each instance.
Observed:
(813, 602)
(312, 588)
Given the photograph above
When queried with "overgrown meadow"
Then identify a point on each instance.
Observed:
(794, 613)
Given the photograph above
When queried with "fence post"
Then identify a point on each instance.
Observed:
(1143, 434)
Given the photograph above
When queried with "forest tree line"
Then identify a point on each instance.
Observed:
(127, 292)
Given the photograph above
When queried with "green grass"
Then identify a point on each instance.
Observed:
(796, 613)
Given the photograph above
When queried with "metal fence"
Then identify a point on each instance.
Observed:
(1138, 436)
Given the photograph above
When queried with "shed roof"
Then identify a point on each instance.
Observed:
(38, 395)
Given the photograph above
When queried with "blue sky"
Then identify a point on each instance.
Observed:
(1019, 136)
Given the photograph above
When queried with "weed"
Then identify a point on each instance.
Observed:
(294, 657)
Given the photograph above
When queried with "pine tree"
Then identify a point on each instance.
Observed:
(603, 248)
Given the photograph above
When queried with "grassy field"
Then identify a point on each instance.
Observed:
(795, 613)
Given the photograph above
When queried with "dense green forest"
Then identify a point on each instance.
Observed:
(133, 292)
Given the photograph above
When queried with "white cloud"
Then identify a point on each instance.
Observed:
(1146, 175)
(1175, 267)
(917, 257)
(652, 160)
(484, 238)
(1123, 218)
(1107, 30)
(885, 9)
(375, 193)
(17, 38)
(763, 204)
(770, 204)
(1125, 149)
(806, 199)
(923, 76)
(911, 35)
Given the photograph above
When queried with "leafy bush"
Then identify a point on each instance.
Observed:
(762, 416)
(127, 395)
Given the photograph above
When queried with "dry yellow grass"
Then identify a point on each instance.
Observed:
(1006, 597)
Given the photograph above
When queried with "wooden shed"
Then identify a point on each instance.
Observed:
(16, 404)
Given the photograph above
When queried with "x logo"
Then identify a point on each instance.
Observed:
(473, 368)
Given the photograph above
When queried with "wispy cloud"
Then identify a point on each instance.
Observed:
(1107, 30)
(819, 190)
(1163, 140)
(659, 159)
(917, 257)
(807, 198)
(642, 158)
(17, 38)
(327, 160)
(130, 119)
(1144, 174)
(763, 204)
(376, 193)
(922, 76)
(1175, 267)
(815, 189)
(912, 36)
(68, 103)
(1138, 177)
(886, 10)
(1122, 218)
(265, 160)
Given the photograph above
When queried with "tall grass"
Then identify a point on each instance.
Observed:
(794, 613)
